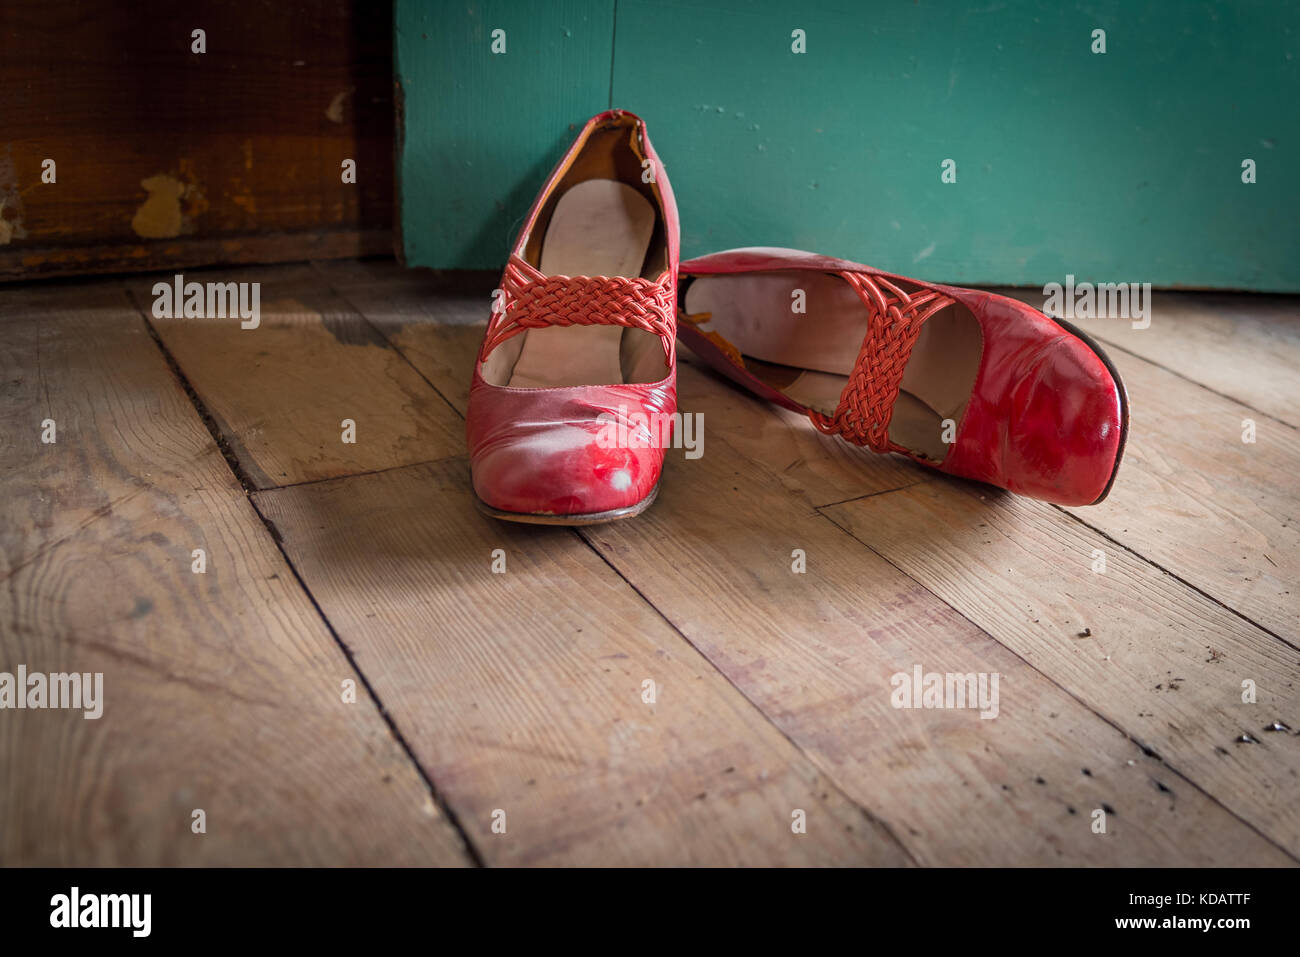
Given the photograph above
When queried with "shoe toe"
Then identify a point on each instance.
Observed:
(1064, 437)
(577, 457)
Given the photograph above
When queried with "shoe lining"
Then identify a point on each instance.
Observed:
(601, 219)
(809, 355)
(599, 228)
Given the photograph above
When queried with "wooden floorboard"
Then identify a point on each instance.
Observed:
(438, 332)
(817, 651)
(1191, 496)
(520, 695)
(222, 691)
(1154, 657)
(523, 691)
(280, 392)
(1208, 484)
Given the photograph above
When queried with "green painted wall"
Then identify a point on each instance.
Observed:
(1122, 166)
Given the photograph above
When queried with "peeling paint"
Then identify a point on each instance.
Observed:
(194, 203)
(240, 193)
(334, 112)
(11, 200)
(160, 216)
(243, 197)
(11, 228)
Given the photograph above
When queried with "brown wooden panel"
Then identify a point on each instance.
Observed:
(221, 691)
(162, 153)
(184, 253)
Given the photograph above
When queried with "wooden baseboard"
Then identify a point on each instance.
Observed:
(52, 261)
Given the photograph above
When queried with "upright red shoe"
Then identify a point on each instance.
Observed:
(577, 371)
(970, 383)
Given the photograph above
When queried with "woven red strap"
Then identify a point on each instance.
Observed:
(532, 300)
(867, 402)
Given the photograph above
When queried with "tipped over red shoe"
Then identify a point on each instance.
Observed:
(970, 383)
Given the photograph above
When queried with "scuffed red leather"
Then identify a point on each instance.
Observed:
(539, 451)
(1045, 417)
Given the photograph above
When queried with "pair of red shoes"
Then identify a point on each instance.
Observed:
(577, 372)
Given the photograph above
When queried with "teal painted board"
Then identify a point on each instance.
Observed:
(1117, 166)
(478, 130)
(1122, 166)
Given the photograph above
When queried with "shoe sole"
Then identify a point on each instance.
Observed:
(589, 518)
(1091, 343)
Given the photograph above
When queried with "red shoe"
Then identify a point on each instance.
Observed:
(970, 383)
(579, 353)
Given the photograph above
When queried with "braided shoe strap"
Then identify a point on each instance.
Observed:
(867, 402)
(532, 300)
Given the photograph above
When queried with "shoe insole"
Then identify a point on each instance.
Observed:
(818, 347)
(600, 227)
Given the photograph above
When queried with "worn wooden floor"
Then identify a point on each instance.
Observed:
(349, 682)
